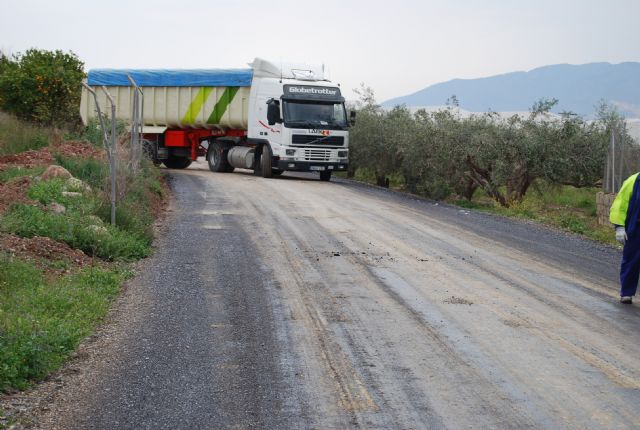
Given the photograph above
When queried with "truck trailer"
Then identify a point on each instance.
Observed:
(270, 118)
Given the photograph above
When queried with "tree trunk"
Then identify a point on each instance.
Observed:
(382, 181)
(482, 177)
(468, 188)
(518, 184)
(411, 182)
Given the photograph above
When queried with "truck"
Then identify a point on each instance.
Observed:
(270, 118)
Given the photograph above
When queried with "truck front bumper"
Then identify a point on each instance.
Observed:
(311, 166)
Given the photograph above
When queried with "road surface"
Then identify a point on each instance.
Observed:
(294, 303)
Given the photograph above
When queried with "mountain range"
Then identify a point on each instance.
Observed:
(578, 88)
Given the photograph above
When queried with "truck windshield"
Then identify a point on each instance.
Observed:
(314, 115)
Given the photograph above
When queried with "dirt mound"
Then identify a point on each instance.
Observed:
(44, 156)
(14, 192)
(78, 148)
(42, 251)
(28, 159)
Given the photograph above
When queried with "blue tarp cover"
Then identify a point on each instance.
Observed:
(172, 78)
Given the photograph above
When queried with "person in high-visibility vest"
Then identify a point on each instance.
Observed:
(624, 214)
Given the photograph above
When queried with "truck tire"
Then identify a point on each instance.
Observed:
(217, 158)
(149, 150)
(325, 176)
(266, 160)
(177, 162)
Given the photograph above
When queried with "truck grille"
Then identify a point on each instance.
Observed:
(305, 139)
(317, 154)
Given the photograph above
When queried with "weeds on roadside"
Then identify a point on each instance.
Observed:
(16, 136)
(42, 321)
(19, 172)
(565, 207)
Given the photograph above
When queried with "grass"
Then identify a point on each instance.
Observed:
(134, 212)
(19, 172)
(16, 136)
(43, 320)
(93, 172)
(564, 207)
(79, 232)
(396, 181)
(43, 314)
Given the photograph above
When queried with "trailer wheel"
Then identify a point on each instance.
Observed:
(217, 158)
(325, 176)
(266, 160)
(177, 162)
(149, 150)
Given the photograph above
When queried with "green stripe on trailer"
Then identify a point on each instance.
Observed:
(221, 106)
(196, 104)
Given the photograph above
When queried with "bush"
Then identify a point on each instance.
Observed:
(42, 86)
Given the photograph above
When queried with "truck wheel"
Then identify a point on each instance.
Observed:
(265, 162)
(217, 158)
(325, 176)
(177, 162)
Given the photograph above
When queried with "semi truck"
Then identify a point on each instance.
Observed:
(270, 118)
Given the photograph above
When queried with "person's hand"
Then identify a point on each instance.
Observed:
(621, 235)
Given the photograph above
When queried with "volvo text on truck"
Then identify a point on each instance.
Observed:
(270, 118)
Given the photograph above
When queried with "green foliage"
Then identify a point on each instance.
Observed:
(93, 131)
(78, 227)
(442, 153)
(572, 222)
(42, 86)
(15, 136)
(133, 209)
(93, 172)
(42, 321)
(78, 231)
(563, 206)
(12, 173)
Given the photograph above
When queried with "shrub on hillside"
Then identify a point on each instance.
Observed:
(42, 86)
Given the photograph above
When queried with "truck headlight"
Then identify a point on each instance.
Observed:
(342, 154)
(290, 152)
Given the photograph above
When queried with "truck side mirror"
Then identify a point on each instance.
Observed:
(273, 112)
(352, 117)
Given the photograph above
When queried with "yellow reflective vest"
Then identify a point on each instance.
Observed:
(618, 212)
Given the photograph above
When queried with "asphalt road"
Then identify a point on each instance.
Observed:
(293, 303)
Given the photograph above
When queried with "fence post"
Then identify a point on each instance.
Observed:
(112, 158)
(137, 124)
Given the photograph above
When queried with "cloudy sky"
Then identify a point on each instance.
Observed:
(395, 46)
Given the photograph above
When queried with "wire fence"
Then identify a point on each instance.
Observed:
(623, 159)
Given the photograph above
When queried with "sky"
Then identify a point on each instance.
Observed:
(396, 47)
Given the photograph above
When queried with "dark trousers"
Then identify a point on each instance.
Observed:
(630, 267)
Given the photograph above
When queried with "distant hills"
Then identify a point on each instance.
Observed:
(578, 88)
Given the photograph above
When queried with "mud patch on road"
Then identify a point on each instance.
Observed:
(453, 300)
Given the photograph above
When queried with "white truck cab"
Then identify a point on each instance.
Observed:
(301, 116)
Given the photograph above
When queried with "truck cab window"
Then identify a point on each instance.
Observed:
(314, 114)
